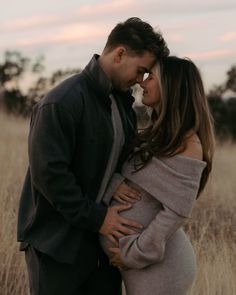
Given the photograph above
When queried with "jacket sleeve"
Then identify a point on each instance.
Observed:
(52, 141)
(141, 250)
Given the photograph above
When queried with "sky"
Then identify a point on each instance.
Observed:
(69, 32)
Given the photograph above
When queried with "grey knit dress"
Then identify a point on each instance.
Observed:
(160, 258)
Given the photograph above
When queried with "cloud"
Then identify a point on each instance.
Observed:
(30, 22)
(84, 13)
(188, 6)
(106, 8)
(174, 37)
(230, 36)
(155, 7)
(75, 33)
(210, 55)
(108, 11)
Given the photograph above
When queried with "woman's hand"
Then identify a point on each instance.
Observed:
(125, 194)
(116, 259)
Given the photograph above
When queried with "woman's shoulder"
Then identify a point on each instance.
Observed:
(192, 147)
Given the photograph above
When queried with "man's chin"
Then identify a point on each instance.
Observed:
(120, 88)
(125, 88)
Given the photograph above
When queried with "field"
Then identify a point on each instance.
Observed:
(212, 228)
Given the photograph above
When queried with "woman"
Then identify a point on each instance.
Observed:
(169, 166)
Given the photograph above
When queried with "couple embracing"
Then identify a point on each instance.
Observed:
(103, 202)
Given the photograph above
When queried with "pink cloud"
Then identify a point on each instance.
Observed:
(107, 7)
(30, 22)
(209, 55)
(111, 8)
(174, 37)
(230, 36)
(75, 33)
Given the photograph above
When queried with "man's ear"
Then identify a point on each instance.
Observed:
(119, 54)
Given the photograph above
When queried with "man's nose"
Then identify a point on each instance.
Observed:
(142, 84)
(139, 78)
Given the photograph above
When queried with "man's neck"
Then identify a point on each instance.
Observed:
(105, 64)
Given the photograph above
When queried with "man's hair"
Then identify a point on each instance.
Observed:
(137, 36)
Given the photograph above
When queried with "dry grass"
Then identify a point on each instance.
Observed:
(211, 228)
(13, 161)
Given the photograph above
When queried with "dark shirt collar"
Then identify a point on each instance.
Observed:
(102, 84)
(98, 77)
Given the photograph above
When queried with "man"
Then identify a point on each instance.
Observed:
(76, 136)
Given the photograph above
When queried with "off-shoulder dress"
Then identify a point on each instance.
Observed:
(160, 257)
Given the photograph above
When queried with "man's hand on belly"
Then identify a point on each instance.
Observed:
(115, 226)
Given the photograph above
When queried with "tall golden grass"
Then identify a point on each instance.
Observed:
(212, 228)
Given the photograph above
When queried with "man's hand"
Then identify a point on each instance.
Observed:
(126, 194)
(116, 259)
(115, 226)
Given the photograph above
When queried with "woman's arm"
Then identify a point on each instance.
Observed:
(141, 250)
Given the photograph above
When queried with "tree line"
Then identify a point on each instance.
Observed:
(13, 100)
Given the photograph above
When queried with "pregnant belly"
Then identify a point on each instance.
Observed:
(143, 212)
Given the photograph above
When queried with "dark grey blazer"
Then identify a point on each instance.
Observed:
(70, 141)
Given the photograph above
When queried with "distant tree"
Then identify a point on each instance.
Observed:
(216, 91)
(13, 67)
(220, 114)
(38, 65)
(224, 109)
(231, 79)
(231, 106)
(14, 102)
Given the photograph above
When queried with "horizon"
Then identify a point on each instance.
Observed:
(68, 34)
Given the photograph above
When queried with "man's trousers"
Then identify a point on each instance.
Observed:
(50, 277)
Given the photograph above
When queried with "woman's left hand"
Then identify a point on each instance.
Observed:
(116, 259)
(126, 194)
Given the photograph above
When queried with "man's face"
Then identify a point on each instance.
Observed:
(130, 69)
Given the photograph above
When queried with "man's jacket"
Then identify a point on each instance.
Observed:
(70, 140)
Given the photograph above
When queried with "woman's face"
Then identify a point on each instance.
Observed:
(151, 89)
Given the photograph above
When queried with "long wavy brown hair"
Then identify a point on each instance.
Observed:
(182, 111)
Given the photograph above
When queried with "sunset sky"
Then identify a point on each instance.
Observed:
(68, 32)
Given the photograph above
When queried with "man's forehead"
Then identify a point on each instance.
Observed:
(148, 62)
(147, 68)
(145, 61)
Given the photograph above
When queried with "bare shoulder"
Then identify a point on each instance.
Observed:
(193, 147)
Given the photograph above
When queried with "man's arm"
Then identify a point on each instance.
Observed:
(52, 143)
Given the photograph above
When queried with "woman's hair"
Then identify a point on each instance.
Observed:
(182, 111)
(137, 36)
